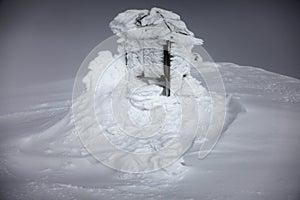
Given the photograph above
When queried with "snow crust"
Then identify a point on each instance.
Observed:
(42, 157)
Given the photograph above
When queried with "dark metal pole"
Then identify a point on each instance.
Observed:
(167, 67)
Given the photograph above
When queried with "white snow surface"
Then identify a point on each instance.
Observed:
(256, 157)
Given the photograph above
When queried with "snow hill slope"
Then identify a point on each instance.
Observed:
(256, 158)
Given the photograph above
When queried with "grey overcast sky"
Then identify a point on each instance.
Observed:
(46, 40)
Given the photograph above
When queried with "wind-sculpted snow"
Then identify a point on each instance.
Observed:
(256, 81)
(120, 106)
(43, 158)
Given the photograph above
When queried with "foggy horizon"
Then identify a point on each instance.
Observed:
(44, 41)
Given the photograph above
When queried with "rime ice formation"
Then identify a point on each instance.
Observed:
(144, 34)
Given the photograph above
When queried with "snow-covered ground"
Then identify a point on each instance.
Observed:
(256, 158)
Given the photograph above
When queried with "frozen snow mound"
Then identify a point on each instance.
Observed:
(151, 82)
(138, 108)
(256, 81)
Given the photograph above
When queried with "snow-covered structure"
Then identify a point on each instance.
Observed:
(145, 108)
(157, 46)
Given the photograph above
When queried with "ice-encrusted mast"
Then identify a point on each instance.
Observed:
(156, 45)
